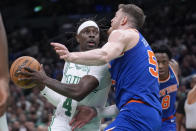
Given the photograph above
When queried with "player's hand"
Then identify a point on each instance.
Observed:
(4, 95)
(33, 75)
(61, 50)
(84, 115)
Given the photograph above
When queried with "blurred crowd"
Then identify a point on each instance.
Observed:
(173, 23)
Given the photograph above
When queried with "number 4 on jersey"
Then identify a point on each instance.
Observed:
(67, 105)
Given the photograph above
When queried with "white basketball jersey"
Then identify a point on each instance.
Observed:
(66, 108)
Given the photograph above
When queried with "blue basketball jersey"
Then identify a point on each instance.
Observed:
(135, 75)
(168, 90)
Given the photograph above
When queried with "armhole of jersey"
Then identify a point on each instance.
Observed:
(174, 74)
(135, 44)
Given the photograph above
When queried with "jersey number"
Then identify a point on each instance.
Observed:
(165, 102)
(67, 105)
(153, 72)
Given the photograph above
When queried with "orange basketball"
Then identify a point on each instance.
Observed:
(17, 65)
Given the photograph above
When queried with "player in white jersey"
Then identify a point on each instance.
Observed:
(91, 82)
(4, 77)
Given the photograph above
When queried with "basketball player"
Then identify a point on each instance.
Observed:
(168, 79)
(133, 68)
(4, 77)
(79, 81)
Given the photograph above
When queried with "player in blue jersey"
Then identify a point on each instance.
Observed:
(133, 68)
(168, 78)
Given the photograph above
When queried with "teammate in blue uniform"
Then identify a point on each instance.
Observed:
(133, 68)
(168, 78)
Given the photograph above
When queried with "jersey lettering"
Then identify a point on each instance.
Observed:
(165, 102)
(152, 61)
(72, 79)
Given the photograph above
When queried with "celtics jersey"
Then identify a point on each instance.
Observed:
(66, 107)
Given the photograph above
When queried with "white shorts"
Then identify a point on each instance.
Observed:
(59, 124)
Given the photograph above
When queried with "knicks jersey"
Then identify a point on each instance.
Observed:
(135, 75)
(168, 90)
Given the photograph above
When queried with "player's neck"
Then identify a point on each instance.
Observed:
(164, 78)
(126, 27)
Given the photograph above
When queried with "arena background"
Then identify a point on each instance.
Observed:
(32, 24)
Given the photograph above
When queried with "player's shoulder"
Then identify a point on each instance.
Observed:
(125, 33)
(175, 66)
(122, 36)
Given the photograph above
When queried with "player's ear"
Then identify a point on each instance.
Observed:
(124, 20)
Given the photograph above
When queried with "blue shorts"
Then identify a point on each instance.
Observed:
(169, 125)
(136, 117)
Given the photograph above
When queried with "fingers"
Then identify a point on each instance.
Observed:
(57, 46)
(72, 121)
(42, 68)
(81, 125)
(25, 79)
(24, 73)
(64, 57)
(29, 69)
(61, 50)
(76, 125)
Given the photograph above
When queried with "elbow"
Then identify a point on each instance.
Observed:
(104, 58)
(79, 96)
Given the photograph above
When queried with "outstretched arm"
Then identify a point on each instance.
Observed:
(117, 43)
(4, 75)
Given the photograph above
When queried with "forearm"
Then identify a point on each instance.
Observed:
(107, 112)
(61, 88)
(92, 57)
(74, 91)
(53, 97)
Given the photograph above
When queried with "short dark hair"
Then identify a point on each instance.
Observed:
(162, 48)
(135, 12)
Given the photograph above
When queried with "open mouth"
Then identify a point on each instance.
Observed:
(161, 72)
(91, 43)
